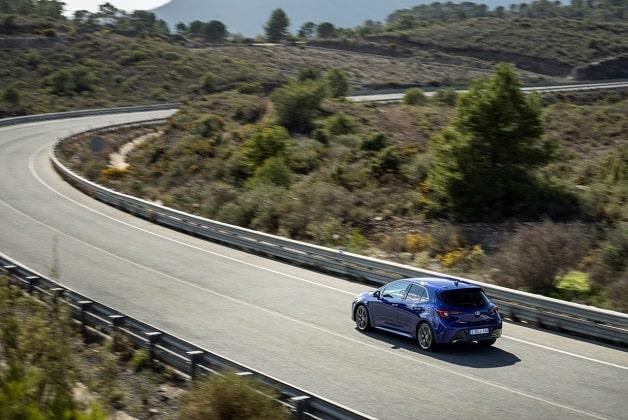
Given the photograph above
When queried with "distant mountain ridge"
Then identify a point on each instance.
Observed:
(248, 16)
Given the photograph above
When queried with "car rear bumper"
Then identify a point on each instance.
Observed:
(450, 335)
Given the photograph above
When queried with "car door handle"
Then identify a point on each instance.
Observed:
(395, 304)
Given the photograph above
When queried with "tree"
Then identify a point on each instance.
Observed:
(215, 31)
(326, 30)
(338, 83)
(277, 26)
(197, 28)
(181, 28)
(307, 30)
(297, 103)
(483, 164)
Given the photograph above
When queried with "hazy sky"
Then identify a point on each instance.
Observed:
(92, 5)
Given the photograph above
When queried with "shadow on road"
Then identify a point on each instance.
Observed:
(461, 354)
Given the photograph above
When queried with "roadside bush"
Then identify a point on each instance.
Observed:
(340, 124)
(209, 125)
(208, 82)
(252, 88)
(337, 83)
(11, 96)
(113, 173)
(297, 103)
(309, 73)
(414, 96)
(612, 257)
(38, 369)
(447, 96)
(417, 242)
(394, 243)
(140, 360)
(272, 171)
(265, 143)
(231, 397)
(463, 259)
(374, 143)
(386, 161)
(537, 255)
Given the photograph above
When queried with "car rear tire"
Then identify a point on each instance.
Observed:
(487, 343)
(425, 337)
(362, 321)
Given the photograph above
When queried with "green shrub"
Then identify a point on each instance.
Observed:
(340, 124)
(273, 171)
(337, 83)
(447, 96)
(386, 161)
(375, 143)
(309, 73)
(297, 103)
(11, 96)
(414, 96)
(252, 88)
(537, 255)
(209, 125)
(208, 82)
(140, 360)
(320, 136)
(229, 396)
(265, 143)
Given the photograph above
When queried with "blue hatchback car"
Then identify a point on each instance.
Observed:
(433, 311)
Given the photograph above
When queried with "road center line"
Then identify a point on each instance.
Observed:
(33, 171)
(313, 326)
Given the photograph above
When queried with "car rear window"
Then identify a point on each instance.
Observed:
(466, 297)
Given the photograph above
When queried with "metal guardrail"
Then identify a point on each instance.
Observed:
(86, 113)
(167, 348)
(543, 311)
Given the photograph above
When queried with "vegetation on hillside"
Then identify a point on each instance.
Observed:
(49, 371)
(363, 177)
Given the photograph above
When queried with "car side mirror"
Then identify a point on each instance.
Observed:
(376, 294)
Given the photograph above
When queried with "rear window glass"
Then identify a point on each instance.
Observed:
(469, 297)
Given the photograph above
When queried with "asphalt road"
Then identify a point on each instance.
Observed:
(398, 96)
(285, 321)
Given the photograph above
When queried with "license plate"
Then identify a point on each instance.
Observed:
(479, 331)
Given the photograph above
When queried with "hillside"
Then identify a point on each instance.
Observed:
(547, 45)
(250, 15)
(357, 180)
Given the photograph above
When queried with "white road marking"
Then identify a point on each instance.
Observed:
(316, 327)
(31, 166)
(568, 353)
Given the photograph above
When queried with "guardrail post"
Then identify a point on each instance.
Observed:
(32, 282)
(116, 322)
(9, 268)
(57, 292)
(84, 305)
(153, 336)
(301, 403)
(194, 356)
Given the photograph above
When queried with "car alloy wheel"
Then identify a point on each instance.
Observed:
(425, 336)
(362, 318)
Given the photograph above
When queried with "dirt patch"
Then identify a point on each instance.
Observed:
(118, 159)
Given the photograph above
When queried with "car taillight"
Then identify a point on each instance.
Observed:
(443, 313)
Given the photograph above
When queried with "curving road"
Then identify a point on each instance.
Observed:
(286, 321)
